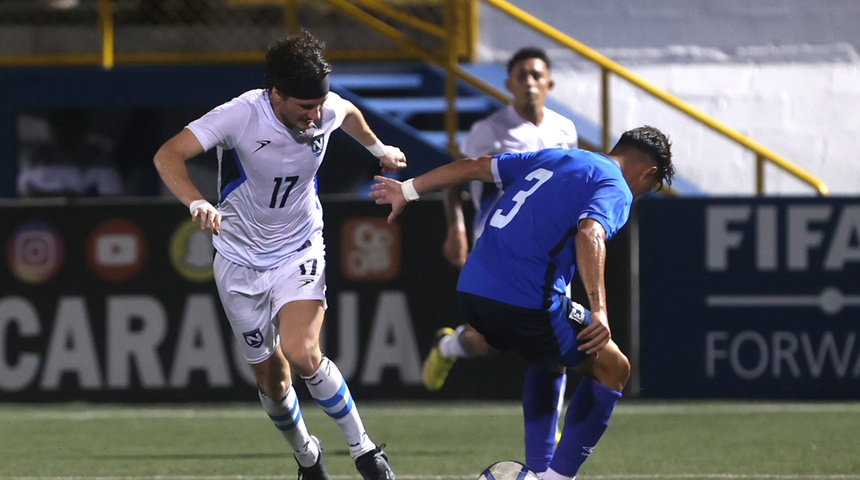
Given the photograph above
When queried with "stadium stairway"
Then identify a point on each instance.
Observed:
(405, 104)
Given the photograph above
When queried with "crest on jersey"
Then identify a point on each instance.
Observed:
(317, 145)
(254, 338)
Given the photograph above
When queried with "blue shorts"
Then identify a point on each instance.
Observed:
(544, 338)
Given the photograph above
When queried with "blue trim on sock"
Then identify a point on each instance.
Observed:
(334, 399)
(344, 411)
(291, 418)
(282, 418)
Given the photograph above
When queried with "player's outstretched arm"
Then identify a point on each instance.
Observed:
(397, 194)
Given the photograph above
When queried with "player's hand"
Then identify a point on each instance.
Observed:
(595, 336)
(207, 214)
(388, 191)
(393, 160)
(456, 246)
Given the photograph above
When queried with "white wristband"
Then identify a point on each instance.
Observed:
(197, 204)
(409, 190)
(377, 149)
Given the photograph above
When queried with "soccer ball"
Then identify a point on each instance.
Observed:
(508, 470)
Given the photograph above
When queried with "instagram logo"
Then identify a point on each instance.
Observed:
(35, 252)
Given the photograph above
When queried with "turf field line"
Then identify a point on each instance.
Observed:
(673, 476)
(244, 412)
(429, 410)
(234, 477)
(722, 476)
(734, 407)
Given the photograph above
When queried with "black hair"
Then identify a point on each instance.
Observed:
(526, 53)
(654, 143)
(295, 60)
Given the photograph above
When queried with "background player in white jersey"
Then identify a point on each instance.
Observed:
(559, 208)
(524, 125)
(267, 227)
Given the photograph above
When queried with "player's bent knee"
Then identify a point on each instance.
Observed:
(474, 343)
(275, 390)
(306, 362)
(271, 378)
(612, 368)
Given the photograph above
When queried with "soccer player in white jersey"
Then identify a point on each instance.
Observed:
(525, 125)
(558, 209)
(267, 233)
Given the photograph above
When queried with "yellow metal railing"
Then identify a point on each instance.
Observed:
(449, 61)
(763, 155)
(106, 26)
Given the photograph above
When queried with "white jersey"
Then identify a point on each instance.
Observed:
(266, 177)
(506, 131)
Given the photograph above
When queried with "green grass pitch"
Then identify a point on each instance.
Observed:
(427, 440)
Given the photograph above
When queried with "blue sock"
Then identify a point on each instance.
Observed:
(542, 394)
(586, 419)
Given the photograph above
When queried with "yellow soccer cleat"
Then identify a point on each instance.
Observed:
(436, 367)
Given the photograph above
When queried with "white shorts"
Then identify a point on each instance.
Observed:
(252, 298)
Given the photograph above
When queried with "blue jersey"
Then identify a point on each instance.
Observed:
(526, 255)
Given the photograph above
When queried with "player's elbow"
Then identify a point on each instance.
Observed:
(590, 232)
(160, 159)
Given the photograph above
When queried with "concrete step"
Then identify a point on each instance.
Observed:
(379, 81)
(405, 107)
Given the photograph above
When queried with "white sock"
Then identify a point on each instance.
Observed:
(287, 417)
(330, 391)
(450, 346)
(551, 474)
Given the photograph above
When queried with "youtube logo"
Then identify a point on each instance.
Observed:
(116, 249)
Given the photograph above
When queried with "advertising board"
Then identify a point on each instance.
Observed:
(750, 297)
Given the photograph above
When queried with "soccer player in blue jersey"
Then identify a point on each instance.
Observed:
(268, 223)
(524, 125)
(558, 209)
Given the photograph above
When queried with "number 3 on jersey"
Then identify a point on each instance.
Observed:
(499, 219)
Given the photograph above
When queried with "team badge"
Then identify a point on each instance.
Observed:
(254, 338)
(317, 145)
(577, 314)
